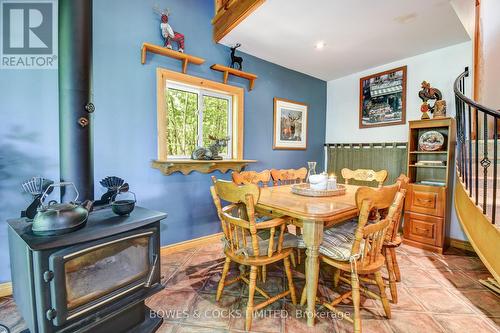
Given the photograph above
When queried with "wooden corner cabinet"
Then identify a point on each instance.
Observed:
(428, 202)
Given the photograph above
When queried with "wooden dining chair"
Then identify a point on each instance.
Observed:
(261, 179)
(288, 176)
(383, 199)
(364, 175)
(249, 243)
(252, 177)
(359, 255)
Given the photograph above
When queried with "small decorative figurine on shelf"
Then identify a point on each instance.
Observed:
(428, 93)
(167, 32)
(439, 109)
(235, 59)
(212, 152)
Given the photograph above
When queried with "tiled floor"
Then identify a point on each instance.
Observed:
(439, 293)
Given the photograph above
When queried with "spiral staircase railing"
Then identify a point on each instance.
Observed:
(477, 133)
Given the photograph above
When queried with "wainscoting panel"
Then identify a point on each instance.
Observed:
(376, 156)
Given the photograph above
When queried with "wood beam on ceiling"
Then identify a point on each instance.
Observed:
(230, 14)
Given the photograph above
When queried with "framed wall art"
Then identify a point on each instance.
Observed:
(382, 98)
(290, 124)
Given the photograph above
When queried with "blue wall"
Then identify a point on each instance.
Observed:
(125, 117)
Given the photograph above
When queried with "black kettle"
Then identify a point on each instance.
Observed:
(60, 218)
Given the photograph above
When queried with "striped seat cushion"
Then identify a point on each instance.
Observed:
(347, 226)
(337, 241)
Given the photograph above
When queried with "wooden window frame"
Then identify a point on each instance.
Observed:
(163, 75)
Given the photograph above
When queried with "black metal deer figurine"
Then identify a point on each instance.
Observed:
(235, 59)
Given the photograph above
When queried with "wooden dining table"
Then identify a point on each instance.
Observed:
(312, 214)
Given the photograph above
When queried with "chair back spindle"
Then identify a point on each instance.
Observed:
(395, 212)
(368, 238)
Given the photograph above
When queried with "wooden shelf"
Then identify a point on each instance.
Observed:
(236, 72)
(428, 166)
(185, 58)
(429, 152)
(187, 166)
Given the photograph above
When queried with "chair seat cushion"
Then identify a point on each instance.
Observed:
(337, 241)
(289, 241)
(347, 226)
(337, 244)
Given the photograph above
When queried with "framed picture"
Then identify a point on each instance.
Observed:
(290, 124)
(382, 99)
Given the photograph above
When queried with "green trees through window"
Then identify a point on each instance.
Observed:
(193, 115)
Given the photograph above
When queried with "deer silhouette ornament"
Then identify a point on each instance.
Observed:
(235, 59)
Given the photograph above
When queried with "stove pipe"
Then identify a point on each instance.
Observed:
(75, 96)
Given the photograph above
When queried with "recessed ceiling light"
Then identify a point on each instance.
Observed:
(320, 45)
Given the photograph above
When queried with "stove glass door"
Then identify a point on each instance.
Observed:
(89, 276)
(105, 269)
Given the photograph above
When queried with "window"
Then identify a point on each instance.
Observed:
(193, 115)
(191, 109)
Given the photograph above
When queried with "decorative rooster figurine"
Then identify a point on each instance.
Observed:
(428, 93)
(167, 32)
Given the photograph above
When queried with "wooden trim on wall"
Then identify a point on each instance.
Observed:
(6, 288)
(460, 244)
(237, 93)
(477, 52)
(189, 244)
(477, 64)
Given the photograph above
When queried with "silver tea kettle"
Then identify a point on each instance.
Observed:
(60, 218)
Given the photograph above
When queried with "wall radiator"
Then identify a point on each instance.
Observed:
(390, 156)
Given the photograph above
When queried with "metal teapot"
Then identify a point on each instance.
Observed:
(60, 218)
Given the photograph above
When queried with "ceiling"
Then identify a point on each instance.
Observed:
(359, 34)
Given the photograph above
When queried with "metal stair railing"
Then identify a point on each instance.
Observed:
(469, 115)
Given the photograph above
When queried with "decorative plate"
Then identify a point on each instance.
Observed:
(431, 141)
(306, 190)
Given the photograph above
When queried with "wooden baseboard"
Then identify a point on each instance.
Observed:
(6, 288)
(460, 244)
(189, 244)
(423, 246)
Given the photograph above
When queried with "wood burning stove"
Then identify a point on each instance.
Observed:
(92, 280)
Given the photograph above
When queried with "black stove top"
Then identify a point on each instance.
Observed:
(101, 223)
